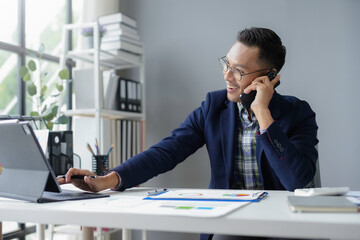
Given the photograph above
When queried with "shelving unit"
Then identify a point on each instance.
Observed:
(105, 113)
(104, 60)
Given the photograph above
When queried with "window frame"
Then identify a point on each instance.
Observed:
(22, 52)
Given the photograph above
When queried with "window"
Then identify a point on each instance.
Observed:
(8, 82)
(46, 29)
(9, 22)
(36, 32)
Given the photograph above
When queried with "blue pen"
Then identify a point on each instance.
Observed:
(110, 149)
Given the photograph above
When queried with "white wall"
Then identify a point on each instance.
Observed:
(183, 40)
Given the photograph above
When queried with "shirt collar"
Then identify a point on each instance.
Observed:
(244, 114)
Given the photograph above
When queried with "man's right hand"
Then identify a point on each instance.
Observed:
(90, 184)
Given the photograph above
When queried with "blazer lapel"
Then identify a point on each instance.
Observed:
(228, 131)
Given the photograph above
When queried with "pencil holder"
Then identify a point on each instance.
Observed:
(100, 164)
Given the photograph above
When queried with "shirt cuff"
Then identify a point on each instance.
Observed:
(120, 185)
(262, 131)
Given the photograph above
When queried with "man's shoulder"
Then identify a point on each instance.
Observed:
(289, 103)
(292, 100)
(219, 94)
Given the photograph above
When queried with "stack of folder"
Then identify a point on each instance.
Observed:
(121, 93)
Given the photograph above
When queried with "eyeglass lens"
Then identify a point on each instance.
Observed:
(225, 68)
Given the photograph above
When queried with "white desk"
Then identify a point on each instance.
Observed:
(269, 217)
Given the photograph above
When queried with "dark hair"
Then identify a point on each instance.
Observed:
(272, 52)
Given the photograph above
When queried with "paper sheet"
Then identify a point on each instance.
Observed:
(189, 208)
(210, 195)
(131, 204)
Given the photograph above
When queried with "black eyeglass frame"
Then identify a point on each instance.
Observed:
(232, 69)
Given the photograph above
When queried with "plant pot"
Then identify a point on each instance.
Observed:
(89, 42)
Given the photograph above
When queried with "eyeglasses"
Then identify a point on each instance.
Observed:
(236, 72)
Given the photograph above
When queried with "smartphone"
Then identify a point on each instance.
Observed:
(247, 99)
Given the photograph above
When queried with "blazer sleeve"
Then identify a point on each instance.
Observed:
(165, 155)
(290, 146)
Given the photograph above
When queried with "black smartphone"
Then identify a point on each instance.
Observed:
(247, 99)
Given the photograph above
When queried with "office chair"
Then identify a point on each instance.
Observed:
(316, 182)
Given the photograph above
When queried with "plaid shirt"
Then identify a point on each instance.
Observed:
(246, 172)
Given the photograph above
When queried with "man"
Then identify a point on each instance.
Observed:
(269, 146)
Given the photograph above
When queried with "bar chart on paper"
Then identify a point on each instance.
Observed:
(189, 208)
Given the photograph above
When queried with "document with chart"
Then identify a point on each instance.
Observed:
(189, 208)
(136, 204)
(210, 195)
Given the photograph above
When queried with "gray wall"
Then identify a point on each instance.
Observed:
(183, 40)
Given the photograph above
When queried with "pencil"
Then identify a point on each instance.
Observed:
(90, 149)
(97, 146)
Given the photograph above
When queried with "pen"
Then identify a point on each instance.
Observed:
(110, 149)
(78, 176)
(155, 192)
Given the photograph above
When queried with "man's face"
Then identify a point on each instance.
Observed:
(243, 58)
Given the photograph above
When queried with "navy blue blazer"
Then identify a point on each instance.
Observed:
(286, 153)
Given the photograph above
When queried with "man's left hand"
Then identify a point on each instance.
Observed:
(260, 106)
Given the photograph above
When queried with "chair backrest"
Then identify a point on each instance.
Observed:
(316, 182)
(317, 179)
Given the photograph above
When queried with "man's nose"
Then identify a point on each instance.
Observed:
(229, 76)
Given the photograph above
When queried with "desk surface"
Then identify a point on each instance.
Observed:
(269, 217)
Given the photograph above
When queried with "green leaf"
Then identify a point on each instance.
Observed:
(50, 125)
(44, 109)
(49, 117)
(52, 104)
(60, 88)
(31, 89)
(55, 95)
(64, 74)
(54, 110)
(23, 71)
(43, 90)
(32, 65)
(62, 119)
(34, 114)
(27, 77)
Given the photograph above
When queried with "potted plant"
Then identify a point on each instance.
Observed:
(47, 100)
(88, 33)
